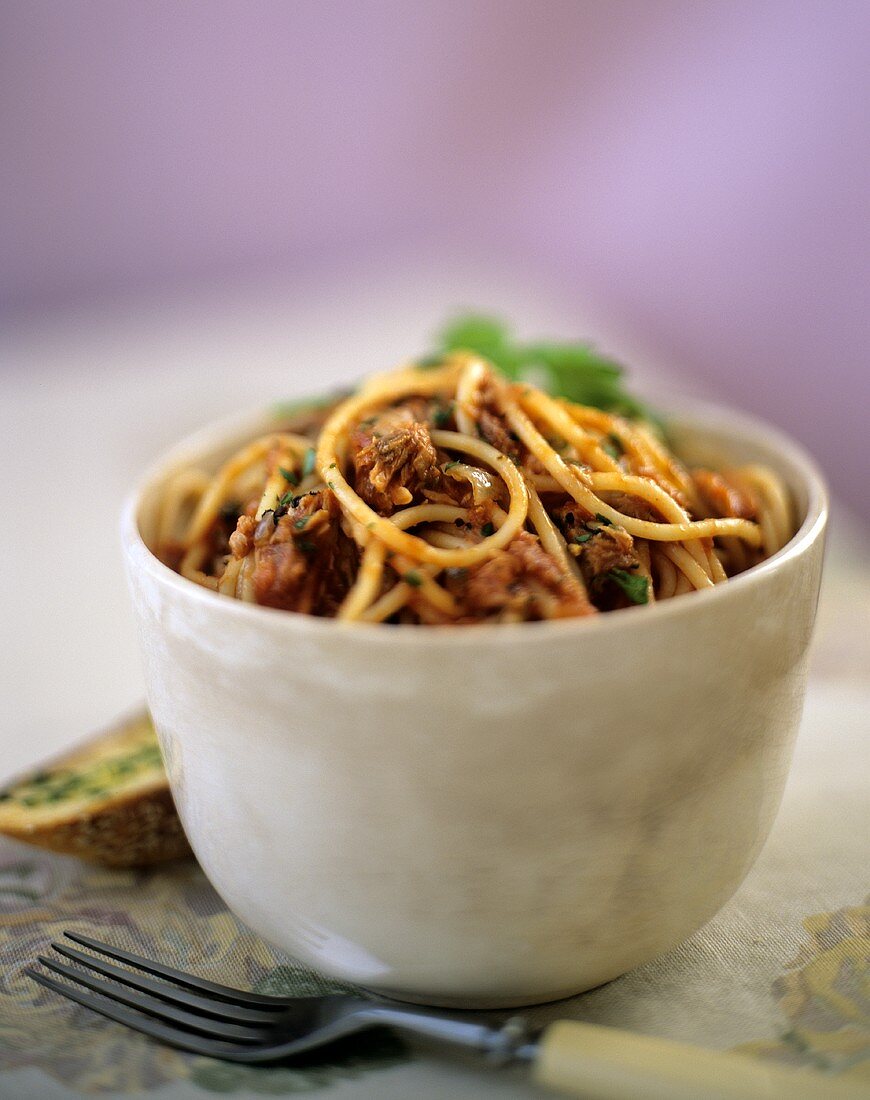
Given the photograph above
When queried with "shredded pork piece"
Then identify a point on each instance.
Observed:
(634, 506)
(523, 582)
(303, 560)
(394, 460)
(599, 548)
(610, 548)
(494, 431)
(724, 497)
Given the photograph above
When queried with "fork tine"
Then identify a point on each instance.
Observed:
(238, 1014)
(190, 981)
(152, 1006)
(183, 1040)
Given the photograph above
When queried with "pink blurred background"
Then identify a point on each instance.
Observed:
(698, 171)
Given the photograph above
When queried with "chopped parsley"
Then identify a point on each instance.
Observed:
(413, 578)
(442, 415)
(288, 500)
(97, 781)
(590, 527)
(308, 462)
(633, 585)
(450, 465)
(301, 523)
(487, 530)
(289, 476)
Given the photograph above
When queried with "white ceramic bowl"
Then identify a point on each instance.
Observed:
(490, 815)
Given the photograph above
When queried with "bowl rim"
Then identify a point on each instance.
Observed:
(694, 415)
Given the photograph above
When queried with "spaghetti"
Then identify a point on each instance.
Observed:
(450, 495)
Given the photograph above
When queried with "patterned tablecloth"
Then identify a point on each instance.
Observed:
(780, 973)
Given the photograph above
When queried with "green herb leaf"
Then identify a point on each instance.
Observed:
(301, 523)
(487, 530)
(633, 585)
(603, 520)
(308, 462)
(584, 536)
(574, 370)
(441, 416)
(413, 578)
(429, 362)
(613, 446)
(288, 410)
(488, 337)
(288, 476)
(450, 465)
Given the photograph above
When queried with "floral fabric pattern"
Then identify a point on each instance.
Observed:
(171, 913)
(825, 995)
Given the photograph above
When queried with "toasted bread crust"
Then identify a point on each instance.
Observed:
(133, 832)
(128, 826)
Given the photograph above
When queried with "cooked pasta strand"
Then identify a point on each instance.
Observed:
(451, 495)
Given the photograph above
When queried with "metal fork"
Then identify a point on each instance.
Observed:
(578, 1059)
(217, 1021)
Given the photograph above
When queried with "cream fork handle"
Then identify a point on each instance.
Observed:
(603, 1063)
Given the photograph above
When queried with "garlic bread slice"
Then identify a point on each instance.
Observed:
(107, 801)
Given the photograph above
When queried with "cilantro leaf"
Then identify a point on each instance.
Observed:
(572, 370)
(488, 337)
